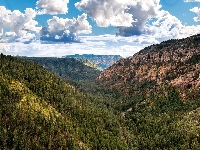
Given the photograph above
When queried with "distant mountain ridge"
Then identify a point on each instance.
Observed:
(102, 61)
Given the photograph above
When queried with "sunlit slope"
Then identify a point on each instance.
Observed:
(38, 110)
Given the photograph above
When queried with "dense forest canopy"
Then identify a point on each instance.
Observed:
(39, 110)
(70, 68)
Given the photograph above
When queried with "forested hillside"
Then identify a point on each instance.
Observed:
(70, 68)
(161, 86)
(38, 110)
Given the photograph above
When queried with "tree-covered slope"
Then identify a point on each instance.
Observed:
(160, 84)
(71, 68)
(38, 110)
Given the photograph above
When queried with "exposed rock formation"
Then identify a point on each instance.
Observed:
(176, 62)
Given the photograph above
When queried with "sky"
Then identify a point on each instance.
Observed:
(55, 28)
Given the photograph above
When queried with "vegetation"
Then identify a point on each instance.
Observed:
(163, 121)
(38, 110)
(158, 119)
(71, 68)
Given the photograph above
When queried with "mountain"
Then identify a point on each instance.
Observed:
(102, 61)
(161, 103)
(174, 62)
(39, 110)
(70, 68)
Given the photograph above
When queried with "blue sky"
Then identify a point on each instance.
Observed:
(62, 27)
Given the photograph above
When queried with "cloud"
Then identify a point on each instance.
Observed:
(10, 34)
(52, 7)
(17, 23)
(142, 11)
(1, 33)
(48, 36)
(22, 27)
(107, 12)
(167, 27)
(129, 15)
(93, 45)
(65, 30)
(197, 11)
(146, 18)
(26, 38)
(113, 40)
(140, 22)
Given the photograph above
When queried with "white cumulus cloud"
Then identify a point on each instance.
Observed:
(197, 11)
(107, 12)
(129, 15)
(79, 25)
(18, 23)
(65, 30)
(164, 26)
(167, 26)
(142, 11)
(10, 34)
(26, 38)
(52, 7)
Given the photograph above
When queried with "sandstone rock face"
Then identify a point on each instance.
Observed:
(175, 62)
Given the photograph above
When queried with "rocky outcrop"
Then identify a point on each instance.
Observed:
(175, 62)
